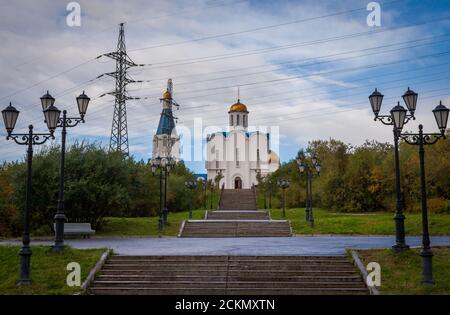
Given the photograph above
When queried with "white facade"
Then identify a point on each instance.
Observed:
(239, 155)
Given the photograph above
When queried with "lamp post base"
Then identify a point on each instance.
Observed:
(25, 259)
(427, 267)
(400, 243)
(400, 247)
(60, 219)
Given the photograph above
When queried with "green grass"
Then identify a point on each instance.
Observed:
(378, 223)
(326, 222)
(48, 269)
(402, 273)
(146, 226)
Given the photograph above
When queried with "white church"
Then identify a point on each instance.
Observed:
(239, 155)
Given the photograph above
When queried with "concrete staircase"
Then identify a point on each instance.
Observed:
(235, 228)
(238, 199)
(228, 275)
(237, 216)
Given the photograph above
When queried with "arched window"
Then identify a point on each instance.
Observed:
(237, 120)
(231, 120)
(245, 120)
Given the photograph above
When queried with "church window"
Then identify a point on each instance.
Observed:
(237, 120)
(231, 120)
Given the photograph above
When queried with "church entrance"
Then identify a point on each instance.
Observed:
(237, 183)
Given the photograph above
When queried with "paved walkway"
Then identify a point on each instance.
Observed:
(300, 245)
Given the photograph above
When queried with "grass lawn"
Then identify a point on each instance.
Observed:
(326, 222)
(379, 223)
(146, 226)
(402, 273)
(48, 269)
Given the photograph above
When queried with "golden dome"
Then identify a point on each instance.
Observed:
(167, 95)
(238, 107)
(273, 157)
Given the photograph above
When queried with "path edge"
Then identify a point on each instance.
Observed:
(98, 266)
(358, 263)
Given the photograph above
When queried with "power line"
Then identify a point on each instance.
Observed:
(189, 61)
(298, 60)
(320, 73)
(258, 28)
(145, 119)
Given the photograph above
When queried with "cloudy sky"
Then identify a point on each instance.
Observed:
(305, 67)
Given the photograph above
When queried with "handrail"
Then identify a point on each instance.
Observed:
(220, 196)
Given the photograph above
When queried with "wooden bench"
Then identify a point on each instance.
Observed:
(75, 229)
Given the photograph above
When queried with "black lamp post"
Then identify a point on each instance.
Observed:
(165, 165)
(305, 168)
(10, 115)
(191, 185)
(270, 193)
(202, 182)
(65, 122)
(421, 139)
(211, 190)
(264, 194)
(410, 99)
(283, 184)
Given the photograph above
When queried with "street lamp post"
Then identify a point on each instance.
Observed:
(421, 139)
(30, 139)
(264, 194)
(304, 168)
(65, 122)
(410, 99)
(283, 184)
(190, 184)
(165, 165)
(202, 182)
(270, 193)
(211, 189)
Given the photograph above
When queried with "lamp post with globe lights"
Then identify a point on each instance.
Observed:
(64, 122)
(422, 139)
(30, 139)
(305, 168)
(202, 182)
(164, 165)
(410, 99)
(283, 184)
(191, 185)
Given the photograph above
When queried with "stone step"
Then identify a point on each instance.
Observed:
(208, 258)
(222, 291)
(228, 268)
(225, 284)
(237, 215)
(234, 273)
(235, 228)
(232, 278)
(244, 263)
